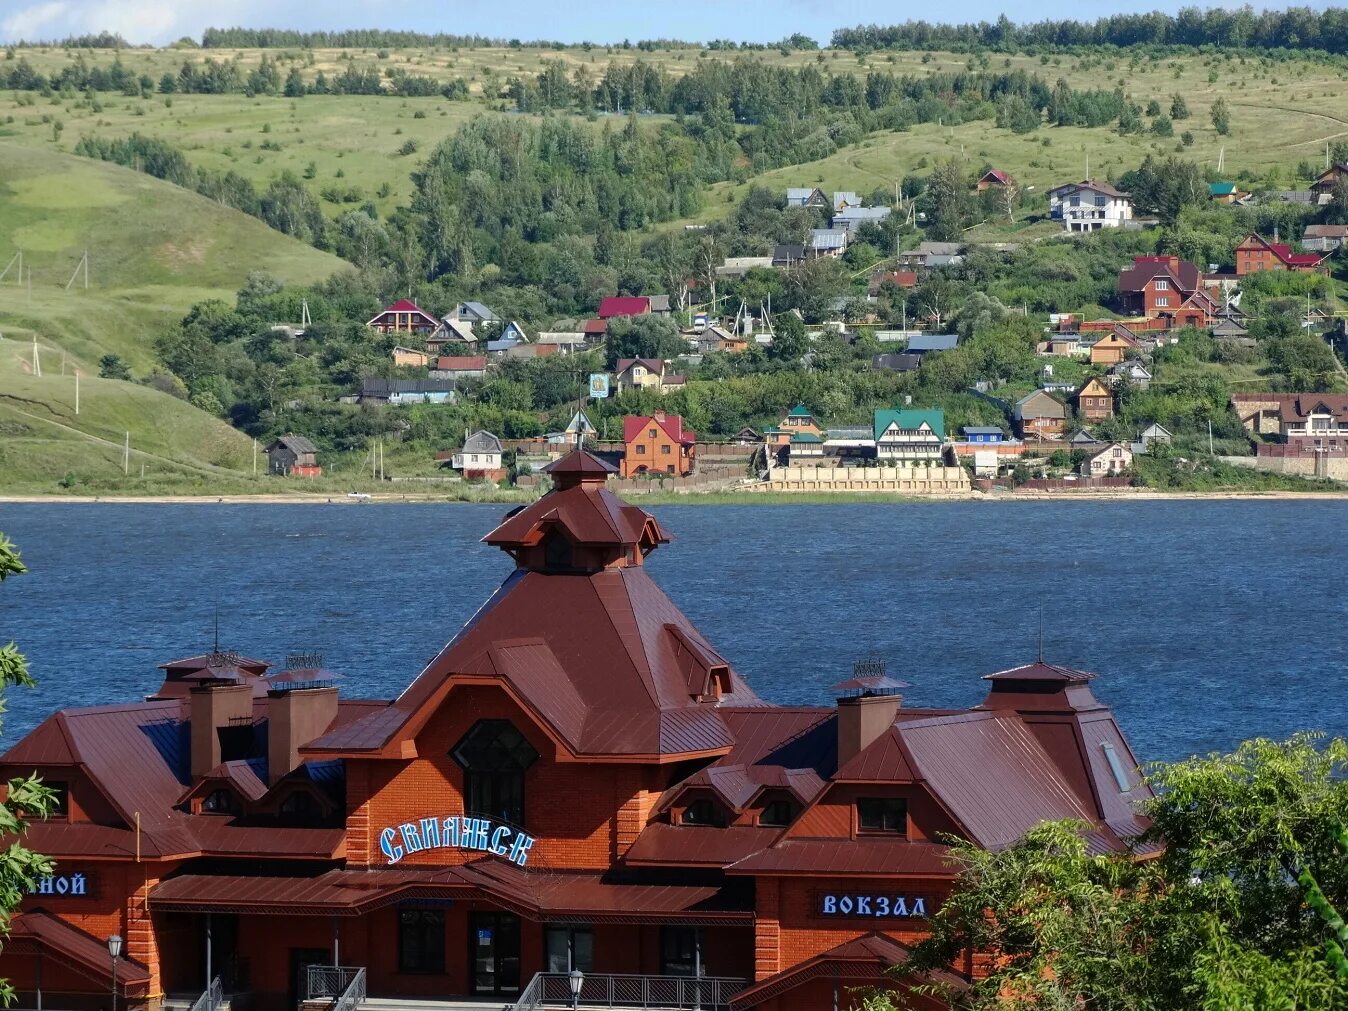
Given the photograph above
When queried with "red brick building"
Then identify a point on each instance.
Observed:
(658, 444)
(1168, 289)
(578, 779)
(1257, 253)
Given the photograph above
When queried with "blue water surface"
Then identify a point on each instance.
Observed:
(1207, 621)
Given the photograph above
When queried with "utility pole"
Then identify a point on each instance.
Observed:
(126, 455)
(77, 392)
(37, 359)
(254, 458)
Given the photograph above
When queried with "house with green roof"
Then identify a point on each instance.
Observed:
(908, 435)
(799, 419)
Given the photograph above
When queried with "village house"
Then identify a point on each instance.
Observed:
(480, 458)
(909, 436)
(1110, 461)
(853, 218)
(1088, 206)
(1094, 400)
(410, 358)
(982, 434)
(576, 781)
(595, 330)
(800, 421)
(452, 333)
(1166, 287)
(1083, 440)
(1293, 416)
(459, 367)
(1257, 253)
(1227, 193)
(658, 305)
(787, 255)
(1326, 181)
(565, 342)
(472, 313)
(658, 444)
(1039, 415)
(922, 344)
(1130, 371)
(929, 255)
(738, 266)
(843, 199)
(1062, 345)
(1232, 333)
(994, 179)
(1154, 434)
(806, 196)
(621, 306)
(828, 242)
(1112, 347)
(1324, 238)
(403, 316)
(293, 456)
(904, 279)
(407, 391)
(645, 373)
(896, 362)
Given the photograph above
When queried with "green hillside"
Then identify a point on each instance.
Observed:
(154, 249)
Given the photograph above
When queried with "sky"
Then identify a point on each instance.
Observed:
(162, 21)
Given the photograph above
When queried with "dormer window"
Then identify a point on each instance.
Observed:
(700, 812)
(882, 815)
(219, 802)
(777, 813)
(60, 805)
(557, 550)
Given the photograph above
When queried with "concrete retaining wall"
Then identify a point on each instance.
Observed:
(914, 480)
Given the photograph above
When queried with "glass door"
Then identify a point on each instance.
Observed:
(494, 952)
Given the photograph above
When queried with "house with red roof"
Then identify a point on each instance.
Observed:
(404, 316)
(1256, 253)
(658, 444)
(616, 306)
(1167, 288)
(994, 179)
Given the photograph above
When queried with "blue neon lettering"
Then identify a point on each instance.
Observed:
(480, 834)
(430, 833)
(919, 908)
(497, 846)
(450, 834)
(519, 849)
(393, 852)
(411, 838)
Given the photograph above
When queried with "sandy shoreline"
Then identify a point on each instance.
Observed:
(778, 498)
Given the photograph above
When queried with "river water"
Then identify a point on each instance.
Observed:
(1207, 621)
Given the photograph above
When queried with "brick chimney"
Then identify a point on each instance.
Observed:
(869, 704)
(212, 708)
(294, 718)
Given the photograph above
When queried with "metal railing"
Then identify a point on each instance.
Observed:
(690, 993)
(211, 998)
(335, 983)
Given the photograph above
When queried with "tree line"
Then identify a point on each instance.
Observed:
(1296, 28)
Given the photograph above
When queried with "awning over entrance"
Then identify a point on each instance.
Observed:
(37, 932)
(863, 960)
(556, 897)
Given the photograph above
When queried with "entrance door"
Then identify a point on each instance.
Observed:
(300, 960)
(494, 952)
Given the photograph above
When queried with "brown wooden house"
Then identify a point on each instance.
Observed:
(293, 456)
(1094, 400)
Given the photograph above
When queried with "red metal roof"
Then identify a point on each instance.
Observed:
(665, 845)
(36, 931)
(671, 423)
(861, 857)
(624, 305)
(865, 959)
(1041, 671)
(593, 326)
(460, 363)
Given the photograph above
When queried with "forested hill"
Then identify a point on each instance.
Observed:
(1239, 28)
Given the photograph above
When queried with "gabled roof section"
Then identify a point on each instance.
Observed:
(1041, 671)
(623, 305)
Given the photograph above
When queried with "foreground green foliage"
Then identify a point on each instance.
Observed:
(20, 867)
(1238, 911)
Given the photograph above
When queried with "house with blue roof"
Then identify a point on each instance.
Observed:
(910, 436)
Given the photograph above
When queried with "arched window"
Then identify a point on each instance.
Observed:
(494, 756)
(218, 802)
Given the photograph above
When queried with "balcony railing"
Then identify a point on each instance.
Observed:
(211, 998)
(336, 983)
(681, 993)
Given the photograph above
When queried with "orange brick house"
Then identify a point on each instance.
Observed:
(577, 780)
(1094, 400)
(657, 445)
(1166, 289)
(1256, 253)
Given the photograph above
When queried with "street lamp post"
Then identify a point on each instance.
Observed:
(575, 979)
(115, 950)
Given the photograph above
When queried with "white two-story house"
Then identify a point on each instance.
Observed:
(1088, 206)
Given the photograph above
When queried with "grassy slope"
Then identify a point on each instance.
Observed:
(1280, 114)
(154, 250)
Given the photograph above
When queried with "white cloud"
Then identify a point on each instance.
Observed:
(139, 21)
